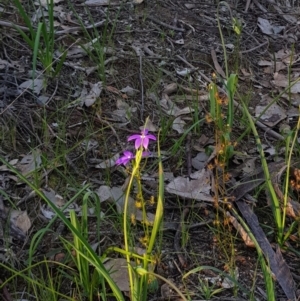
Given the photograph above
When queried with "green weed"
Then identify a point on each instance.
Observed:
(41, 40)
(207, 291)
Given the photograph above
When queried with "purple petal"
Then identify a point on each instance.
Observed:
(133, 137)
(120, 161)
(142, 140)
(128, 154)
(138, 143)
(126, 158)
(145, 142)
(152, 137)
(125, 161)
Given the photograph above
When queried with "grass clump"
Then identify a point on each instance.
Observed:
(41, 40)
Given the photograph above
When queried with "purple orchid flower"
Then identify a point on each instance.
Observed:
(142, 139)
(126, 158)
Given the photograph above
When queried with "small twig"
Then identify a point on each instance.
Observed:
(247, 6)
(11, 25)
(243, 233)
(262, 8)
(80, 28)
(11, 38)
(193, 226)
(26, 198)
(34, 130)
(270, 131)
(142, 88)
(72, 165)
(254, 48)
(216, 63)
(186, 62)
(59, 32)
(51, 97)
(165, 24)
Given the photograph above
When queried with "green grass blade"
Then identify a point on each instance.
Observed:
(58, 67)
(212, 100)
(23, 274)
(231, 88)
(25, 18)
(36, 50)
(37, 237)
(160, 202)
(275, 204)
(96, 260)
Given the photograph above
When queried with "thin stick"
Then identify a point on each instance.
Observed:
(142, 88)
(165, 24)
(254, 48)
(59, 32)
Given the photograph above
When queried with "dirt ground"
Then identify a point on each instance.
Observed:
(81, 118)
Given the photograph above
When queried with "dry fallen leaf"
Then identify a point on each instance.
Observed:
(29, 163)
(95, 92)
(118, 270)
(178, 125)
(99, 2)
(59, 202)
(286, 56)
(263, 63)
(249, 166)
(199, 161)
(197, 188)
(169, 89)
(12, 162)
(46, 2)
(266, 27)
(129, 91)
(246, 238)
(35, 85)
(21, 220)
(149, 125)
(227, 283)
(171, 108)
(108, 163)
(272, 116)
(113, 90)
(185, 71)
(281, 80)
